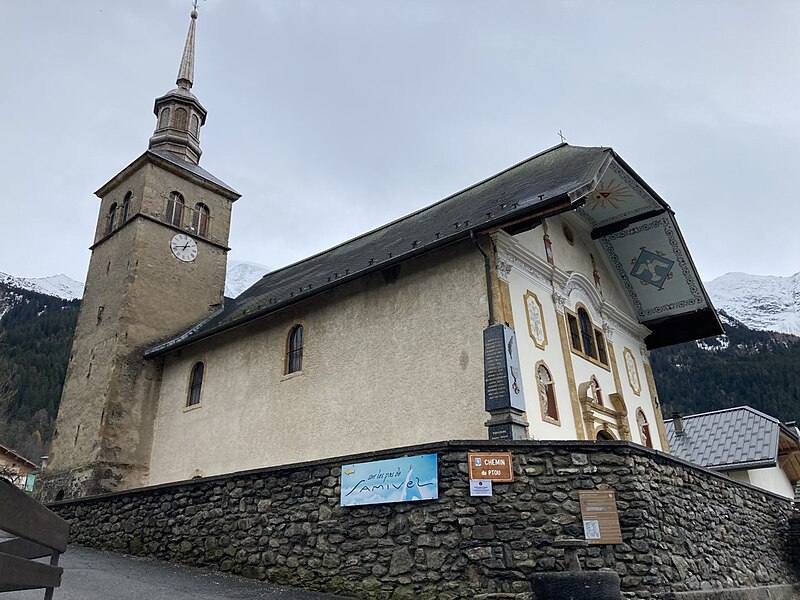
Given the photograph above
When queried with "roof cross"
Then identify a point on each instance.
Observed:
(561, 135)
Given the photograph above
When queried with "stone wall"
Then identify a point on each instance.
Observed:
(684, 528)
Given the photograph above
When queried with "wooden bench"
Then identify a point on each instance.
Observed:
(40, 533)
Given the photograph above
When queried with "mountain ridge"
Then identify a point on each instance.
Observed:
(763, 302)
(59, 286)
(239, 276)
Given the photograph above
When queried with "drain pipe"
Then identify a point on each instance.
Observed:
(488, 269)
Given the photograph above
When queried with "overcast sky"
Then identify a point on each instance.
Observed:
(332, 117)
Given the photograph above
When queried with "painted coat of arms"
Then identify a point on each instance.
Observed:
(652, 268)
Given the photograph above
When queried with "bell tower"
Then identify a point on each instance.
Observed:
(180, 115)
(157, 267)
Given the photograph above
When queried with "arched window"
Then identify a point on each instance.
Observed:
(196, 385)
(181, 119)
(547, 393)
(597, 393)
(587, 333)
(202, 215)
(126, 207)
(586, 339)
(644, 428)
(163, 119)
(574, 333)
(604, 436)
(195, 125)
(112, 214)
(175, 209)
(294, 350)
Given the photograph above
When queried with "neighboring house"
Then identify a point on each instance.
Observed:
(15, 468)
(742, 443)
(376, 343)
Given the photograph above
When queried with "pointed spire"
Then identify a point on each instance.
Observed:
(180, 115)
(186, 70)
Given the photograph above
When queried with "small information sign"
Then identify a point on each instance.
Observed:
(494, 466)
(480, 487)
(600, 516)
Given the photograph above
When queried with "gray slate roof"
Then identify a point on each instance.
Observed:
(525, 188)
(727, 439)
(192, 168)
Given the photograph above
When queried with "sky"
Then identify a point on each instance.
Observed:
(333, 117)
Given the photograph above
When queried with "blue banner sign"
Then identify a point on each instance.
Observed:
(395, 480)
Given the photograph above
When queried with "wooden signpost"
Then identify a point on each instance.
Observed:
(600, 517)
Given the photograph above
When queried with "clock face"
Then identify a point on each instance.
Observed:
(183, 247)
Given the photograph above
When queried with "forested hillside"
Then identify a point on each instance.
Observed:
(746, 366)
(35, 340)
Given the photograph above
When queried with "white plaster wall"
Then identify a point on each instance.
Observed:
(773, 479)
(384, 365)
(543, 282)
(519, 284)
(576, 257)
(623, 339)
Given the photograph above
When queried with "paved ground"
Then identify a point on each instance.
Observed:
(94, 575)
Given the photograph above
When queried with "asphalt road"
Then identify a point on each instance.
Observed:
(95, 575)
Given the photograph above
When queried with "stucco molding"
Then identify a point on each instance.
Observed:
(503, 267)
(526, 262)
(563, 284)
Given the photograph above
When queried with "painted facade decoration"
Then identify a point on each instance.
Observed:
(536, 326)
(632, 371)
(652, 268)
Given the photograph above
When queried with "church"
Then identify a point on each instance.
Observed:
(376, 343)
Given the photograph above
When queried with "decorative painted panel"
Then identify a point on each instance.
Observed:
(536, 326)
(654, 269)
(632, 370)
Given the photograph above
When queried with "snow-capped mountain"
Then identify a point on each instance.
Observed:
(763, 302)
(241, 275)
(59, 286)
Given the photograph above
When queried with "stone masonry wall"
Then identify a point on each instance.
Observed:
(684, 528)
